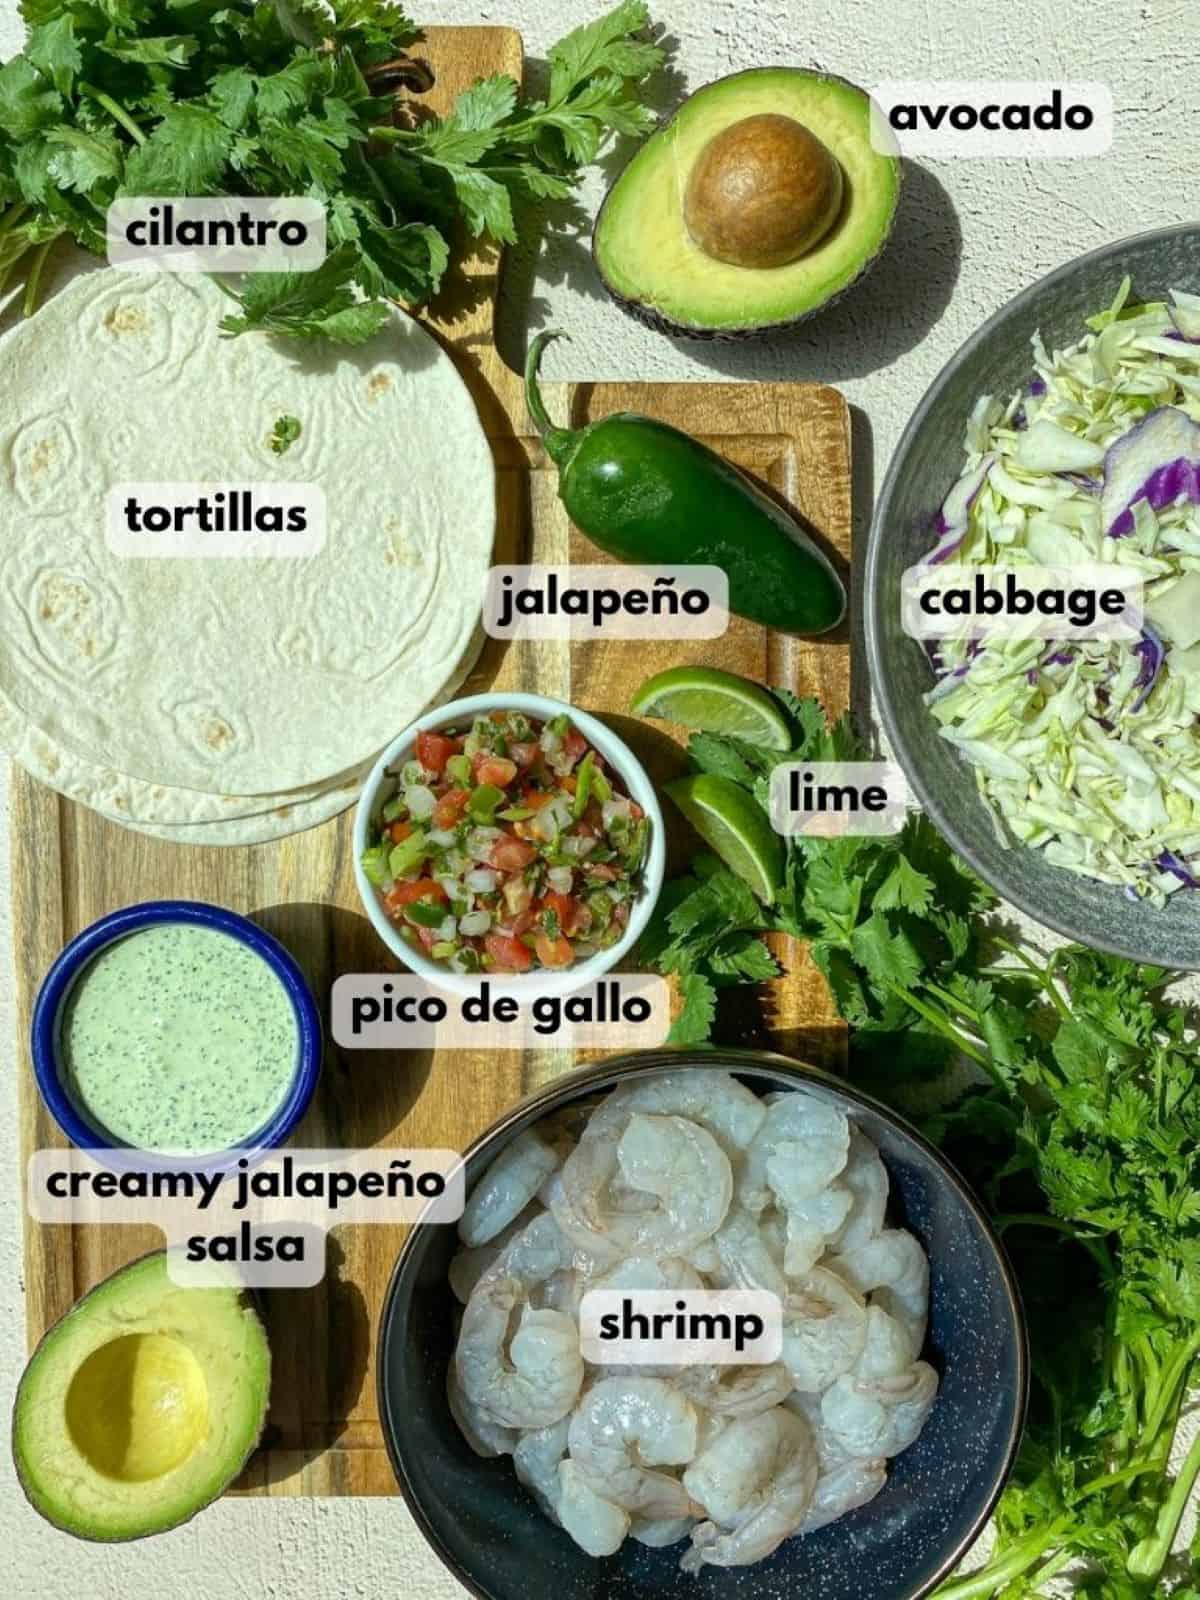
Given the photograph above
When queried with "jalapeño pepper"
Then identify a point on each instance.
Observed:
(648, 493)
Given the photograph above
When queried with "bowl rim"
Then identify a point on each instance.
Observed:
(623, 761)
(70, 963)
(598, 1075)
(1110, 943)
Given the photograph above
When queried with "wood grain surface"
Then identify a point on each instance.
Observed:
(71, 866)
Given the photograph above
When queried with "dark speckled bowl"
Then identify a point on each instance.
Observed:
(939, 1493)
(996, 360)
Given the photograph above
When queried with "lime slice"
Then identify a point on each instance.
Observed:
(715, 702)
(734, 825)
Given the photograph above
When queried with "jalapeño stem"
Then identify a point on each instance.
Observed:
(559, 442)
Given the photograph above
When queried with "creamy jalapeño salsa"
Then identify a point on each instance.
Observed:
(179, 1039)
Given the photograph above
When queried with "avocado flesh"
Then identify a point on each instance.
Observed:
(648, 259)
(141, 1404)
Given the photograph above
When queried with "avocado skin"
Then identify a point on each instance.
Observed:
(651, 495)
(658, 322)
(248, 1300)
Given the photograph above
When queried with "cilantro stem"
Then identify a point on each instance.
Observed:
(11, 217)
(1148, 1558)
(1005, 1569)
(940, 1021)
(115, 111)
(34, 278)
(1044, 975)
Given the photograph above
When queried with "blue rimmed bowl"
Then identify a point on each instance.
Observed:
(77, 956)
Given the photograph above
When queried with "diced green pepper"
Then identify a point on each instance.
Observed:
(375, 865)
(425, 913)
(408, 853)
(459, 769)
(442, 951)
(583, 785)
(395, 808)
(559, 725)
(516, 813)
(601, 787)
(483, 802)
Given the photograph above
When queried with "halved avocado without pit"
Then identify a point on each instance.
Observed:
(141, 1404)
(760, 201)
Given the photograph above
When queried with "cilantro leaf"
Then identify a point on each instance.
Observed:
(695, 1019)
(186, 154)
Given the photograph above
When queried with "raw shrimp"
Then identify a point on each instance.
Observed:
(853, 1484)
(506, 1188)
(813, 1216)
(539, 1379)
(824, 1330)
(880, 1416)
(669, 1157)
(729, 1111)
(736, 1391)
(486, 1438)
(888, 1349)
(755, 1481)
(818, 1137)
(893, 1268)
(658, 1534)
(536, 1455)
(642, 1272)
(468, 1266)
(746, 1261)
(535, 1253)
(597, 1525)
(866, 1178)
(562, 1291)
(625, 1426)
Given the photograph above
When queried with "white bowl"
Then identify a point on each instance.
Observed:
(379, 788)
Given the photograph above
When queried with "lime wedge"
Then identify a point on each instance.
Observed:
(734, 825)
(715, 702)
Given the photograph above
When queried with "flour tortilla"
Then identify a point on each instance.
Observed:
(232, 677)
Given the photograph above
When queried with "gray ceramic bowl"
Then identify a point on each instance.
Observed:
(996, 360)
(939, 1493)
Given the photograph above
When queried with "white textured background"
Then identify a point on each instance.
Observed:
(968, 237)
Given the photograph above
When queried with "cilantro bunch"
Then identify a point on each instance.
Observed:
(294, 97)
(1079, 1126)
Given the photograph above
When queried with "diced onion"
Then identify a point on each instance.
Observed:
(560, 879)
(480, 842)
(442, 837)
(474, 923)
(482, 880)
(448, 929)
(420, 800)
(611, 809)
(576, 844)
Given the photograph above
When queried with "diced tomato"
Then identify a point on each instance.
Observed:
(511, 855)
(498, 716)
(635, 811)
(398, 831)
(524, 754)
(428, 937)
(534, 799)
(450, 808)
(565, 908)
(403, 893)
(498, 770)
(522, 922)
(574, 745)
(553, 952)
(602, 871)
(434, 750)
(570, 783)
(508, 953)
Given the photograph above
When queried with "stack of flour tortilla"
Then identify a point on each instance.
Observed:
(228, 700)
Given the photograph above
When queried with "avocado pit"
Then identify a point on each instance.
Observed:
(762, 192)
(137, 1407)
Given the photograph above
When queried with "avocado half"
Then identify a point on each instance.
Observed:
(141, 1404)
(653, 267)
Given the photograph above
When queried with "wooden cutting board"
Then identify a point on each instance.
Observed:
(69, 866)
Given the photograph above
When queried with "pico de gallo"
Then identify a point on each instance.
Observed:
(508, 846)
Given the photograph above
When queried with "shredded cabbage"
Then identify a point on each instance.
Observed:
(1086, 751)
